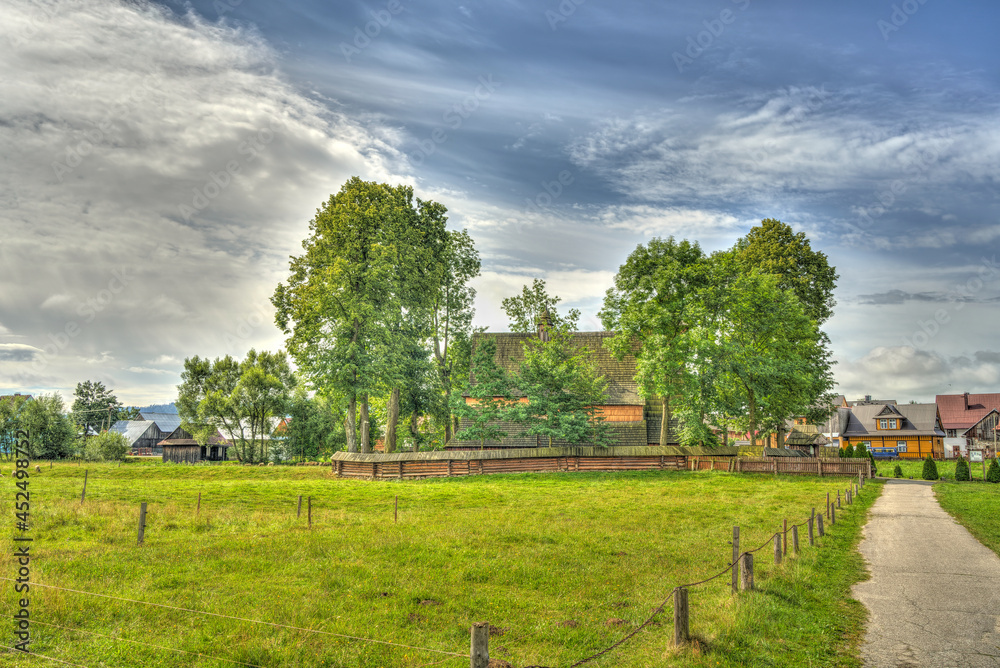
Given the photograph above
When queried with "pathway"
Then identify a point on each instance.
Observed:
(934, 592)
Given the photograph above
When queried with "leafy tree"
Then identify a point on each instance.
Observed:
(108, 446)
(563, 389)
(962, 469)
(489, 389)
(930, 471)
(993, 472)
(96, 408)
(315, 428)
(773, 248)
(11, 417)
(897, 472)
(237, 398)
(525, 309)
(361, 290)
(656, 298)
(51, 430)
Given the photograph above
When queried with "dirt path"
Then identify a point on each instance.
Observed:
(934, 592)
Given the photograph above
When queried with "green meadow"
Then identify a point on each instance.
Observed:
(561, 565)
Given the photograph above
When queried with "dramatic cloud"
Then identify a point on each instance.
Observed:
(906, 373)
(17, 352)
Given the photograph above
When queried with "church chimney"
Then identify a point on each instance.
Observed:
(544, 323)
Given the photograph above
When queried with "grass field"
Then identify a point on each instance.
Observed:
(562, 565)
(915, 468)
(976, 506)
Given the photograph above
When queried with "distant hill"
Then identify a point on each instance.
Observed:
(159, 408)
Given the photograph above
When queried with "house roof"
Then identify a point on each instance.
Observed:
(620, 374)
(13, 397)
(806, 434)
(917, 420)
(180, 437)
(868, 401)
(955, 415)
(133, 430)
(167, 422)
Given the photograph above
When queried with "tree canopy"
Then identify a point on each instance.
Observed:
(524, 309)
(96, 408)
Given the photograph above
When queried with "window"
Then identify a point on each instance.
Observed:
(886, 424)
(900, 446)
(952, 433)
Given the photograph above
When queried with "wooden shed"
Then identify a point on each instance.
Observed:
(180, 446)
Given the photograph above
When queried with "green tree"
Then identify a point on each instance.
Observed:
(315, 428)
(993, 472)
(108, 446)
(897, 472)
(51, 430)
(360, 291)
(930, 471)
(11, 417)
(489, 389)
(238, 399)
(656, 298)
(525, 309)
(96, 408)
(962, 469)
(563, 389)
(773, 248)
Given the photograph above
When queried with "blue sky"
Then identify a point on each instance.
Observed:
(161, 161)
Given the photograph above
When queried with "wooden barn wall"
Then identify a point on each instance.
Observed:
(180, 454)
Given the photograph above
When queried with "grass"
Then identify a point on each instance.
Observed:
(976, 506)
(562, 565)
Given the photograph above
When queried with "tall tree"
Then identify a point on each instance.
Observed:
(774, 248)
(359, 291)
(240, 399)
(315, 428)
(96, 408)
(52, 431)
(489, 389)
(525, 309)
(11, 416)
(652, 307)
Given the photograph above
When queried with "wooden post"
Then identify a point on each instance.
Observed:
(819, 518)
(449, 468)
(777, 548)
(736, 558)
(479, 654)
(681, 628)
(833, 515)
(838, 501)
(309, 510)
(812, 528)
(828, 504)
(746, 572)
(795, 538)
(784, 536)
(819, 466)
(142, 522)
(298, 512)
(396, 514)
(84, 495)
(197, 510)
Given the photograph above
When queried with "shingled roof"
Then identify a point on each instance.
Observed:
(955, 414)
(917, 420)
(620, 374)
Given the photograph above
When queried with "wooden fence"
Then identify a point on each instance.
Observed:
(408, 465)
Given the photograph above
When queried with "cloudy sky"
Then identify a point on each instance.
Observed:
(159, 162)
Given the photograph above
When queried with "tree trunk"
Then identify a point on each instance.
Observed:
(366, 445)
(391, 421)
(753, 419)
(447, 429)
(780, 437)
(665, 425)
(350, 423)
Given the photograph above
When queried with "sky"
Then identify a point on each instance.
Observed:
(160, 162)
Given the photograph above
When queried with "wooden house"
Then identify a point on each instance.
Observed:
(143, 436)
(914, 430)
(970, 420)
(180, 446)
(632, 419)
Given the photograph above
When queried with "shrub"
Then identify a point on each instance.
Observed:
(107, 446)
(847, 452)
(993, 473)
(897, 472)
(961, 469)
(930, 469)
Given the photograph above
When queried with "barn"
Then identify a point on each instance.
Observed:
(180, 446)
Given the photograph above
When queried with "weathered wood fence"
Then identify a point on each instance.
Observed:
(408, 465)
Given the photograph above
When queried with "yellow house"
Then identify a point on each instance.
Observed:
(914, 430)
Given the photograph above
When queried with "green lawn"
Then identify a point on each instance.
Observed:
(976, 506)
(915, 468)
(561, 564)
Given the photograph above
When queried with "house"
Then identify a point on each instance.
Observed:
(914, 430)
(142, 436)
(632, 420)
(180, 446)
(868, 401)
(807, 438)
(969, 420)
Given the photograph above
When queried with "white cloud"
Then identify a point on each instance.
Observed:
(17, 352)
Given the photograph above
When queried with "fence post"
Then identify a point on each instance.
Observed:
(736, 558)
(838, 502)
(681, 628)
(142, 522)
(479, 653)
(777, 548)
(833, 515)
(84, 495)
(812, 527)
(795, 538)
(819, 518)
(197, 510)
(819, 466)
(298, 512)
(396, 512)
(309, 510)
(784, 536)
(746, 571)
(828, 504)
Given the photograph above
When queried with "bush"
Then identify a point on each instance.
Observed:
(847, 452)
(930, 469)
(961, 469)
(108, 446)
(897, 472)
(993, 473)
